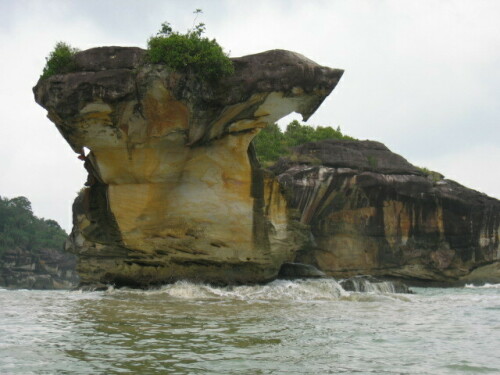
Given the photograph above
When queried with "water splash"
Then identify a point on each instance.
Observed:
(364, 285)
(279, 290)
(485, 286)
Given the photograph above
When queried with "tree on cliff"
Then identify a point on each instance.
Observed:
(19, 228)
(189, 52)
(60, 60)
(272, 143)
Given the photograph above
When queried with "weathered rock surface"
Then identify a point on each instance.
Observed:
(371, 212)
(174, 189)
(48, 269)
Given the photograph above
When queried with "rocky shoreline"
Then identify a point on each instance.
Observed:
(371, 212)
(49, 269)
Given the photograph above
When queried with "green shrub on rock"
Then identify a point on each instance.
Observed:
(189, 52)
(60, 60)
(431, 175)
(271, 143)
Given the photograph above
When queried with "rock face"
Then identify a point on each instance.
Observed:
(174, 189)
(372, 212)
(299, 271)
(48, 269)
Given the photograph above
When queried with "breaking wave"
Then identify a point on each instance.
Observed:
(485, 286)
(278, 290)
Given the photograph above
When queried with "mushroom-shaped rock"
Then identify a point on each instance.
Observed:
(174, 189)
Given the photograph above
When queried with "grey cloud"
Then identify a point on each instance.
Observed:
(421, 77)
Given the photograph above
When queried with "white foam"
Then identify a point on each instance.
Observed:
(382, 287)
(278, 290)
(485, 286)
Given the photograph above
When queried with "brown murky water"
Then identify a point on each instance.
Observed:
(301, 327)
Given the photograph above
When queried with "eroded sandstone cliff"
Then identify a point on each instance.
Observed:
(174, 190)
(371, 212)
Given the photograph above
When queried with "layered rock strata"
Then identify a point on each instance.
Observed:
(45, 269)
(174, 190)
(371, 212)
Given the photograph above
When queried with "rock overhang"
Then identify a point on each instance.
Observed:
(263, 88)
(172, 191)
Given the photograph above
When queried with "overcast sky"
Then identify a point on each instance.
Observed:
(421, 76)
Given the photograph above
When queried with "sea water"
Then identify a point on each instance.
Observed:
(285, 327)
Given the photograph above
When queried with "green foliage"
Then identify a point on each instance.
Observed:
(432, 175)
(189, 52)
(424, 170)
(60, 60)
(271, 143)
(20, 228)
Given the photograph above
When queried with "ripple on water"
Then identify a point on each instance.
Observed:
(284, 327)
(467, 368)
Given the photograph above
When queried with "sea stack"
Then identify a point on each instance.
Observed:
(174, 190)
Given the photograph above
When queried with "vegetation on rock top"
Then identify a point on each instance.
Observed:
(60, 60)
(433, 175)
(272, 143)
(189, 52)
(19, 228)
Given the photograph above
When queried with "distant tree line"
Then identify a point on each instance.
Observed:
(272, 143)
(19, 228)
